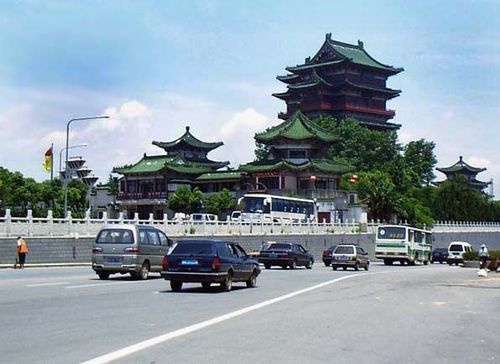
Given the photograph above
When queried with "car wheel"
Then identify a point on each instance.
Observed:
(103, 275)
(334, 268)
(252, 281)
(176, 286)
(205, 285)
(367, 266)
(356, 266)
(327, 264)
(344, 268)
(293, 265)
(267, 266)
(144, 272)
(387, 262)
(310, 264)
(228, 282)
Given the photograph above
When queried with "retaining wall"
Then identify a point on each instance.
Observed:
(71, 250)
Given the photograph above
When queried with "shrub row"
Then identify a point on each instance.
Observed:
(474, 255)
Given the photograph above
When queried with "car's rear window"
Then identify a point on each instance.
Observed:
(115, 236)
(279, 247)
(456, 248)
(194, 248)
(344, 250)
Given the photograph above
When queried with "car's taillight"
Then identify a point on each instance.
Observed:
(131, 250)
(216, 263)
(164, 263)
(97, 249)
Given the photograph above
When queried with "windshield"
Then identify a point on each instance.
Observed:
(392, 232)
(194, 248)
(255, 205)
(344, 250)
(115, 236)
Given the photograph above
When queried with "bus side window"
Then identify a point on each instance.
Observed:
(411, 236)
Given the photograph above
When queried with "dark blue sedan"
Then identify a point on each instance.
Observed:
(207, 262)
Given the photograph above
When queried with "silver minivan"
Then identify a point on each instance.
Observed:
(129, 248)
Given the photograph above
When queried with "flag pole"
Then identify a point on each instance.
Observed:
(52, 162)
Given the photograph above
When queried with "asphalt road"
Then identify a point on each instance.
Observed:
(436, 313)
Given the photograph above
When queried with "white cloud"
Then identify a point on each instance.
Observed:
(238, 132)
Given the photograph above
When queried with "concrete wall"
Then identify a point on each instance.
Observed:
(70, 250)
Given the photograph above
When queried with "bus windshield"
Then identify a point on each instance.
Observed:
(391, 232)
(255, 205)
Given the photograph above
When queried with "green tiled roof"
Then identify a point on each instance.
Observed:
(152, 164)
(460, 166)
(188, 139)
(148, 164)
(339, 51)
(313, 164)
(220, 176)
(297, 127)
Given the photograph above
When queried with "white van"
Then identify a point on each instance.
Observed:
(456, 249)
(203, 218)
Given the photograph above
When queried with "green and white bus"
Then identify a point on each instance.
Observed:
(403, 244)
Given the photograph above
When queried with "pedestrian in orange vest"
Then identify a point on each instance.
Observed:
(22, 250)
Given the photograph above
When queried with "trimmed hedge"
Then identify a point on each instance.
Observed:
(474, 255)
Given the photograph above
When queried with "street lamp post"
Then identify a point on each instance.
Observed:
(66, 163)
(70, 147)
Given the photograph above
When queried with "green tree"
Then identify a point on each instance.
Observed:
(419, 157)
(379, 193)
(456, 200)
(261, 152)
(186, 201)
(226, 201)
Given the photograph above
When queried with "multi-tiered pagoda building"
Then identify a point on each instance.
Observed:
(297, 165)
(341, 80)
(146, 185)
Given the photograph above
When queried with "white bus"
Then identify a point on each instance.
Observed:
(403, 244)
(270, 208)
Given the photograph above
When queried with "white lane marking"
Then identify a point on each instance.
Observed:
(46, 284)
(101, 284)
(201, 325)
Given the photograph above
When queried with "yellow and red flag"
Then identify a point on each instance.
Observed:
(47, 163)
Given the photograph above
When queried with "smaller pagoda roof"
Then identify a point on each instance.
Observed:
(460, 166)
(312, 164)
(296, 127)
(220, 176)
(148, 164)
(188, 139)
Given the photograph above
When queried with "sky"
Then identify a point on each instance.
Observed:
(157, 66)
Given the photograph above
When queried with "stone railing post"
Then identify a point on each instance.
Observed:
(151, 218)
(120, 217)
(29, 217)
(87, 222)
(136, 217)
(8, 222)
(50, 222)
(69, 222)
